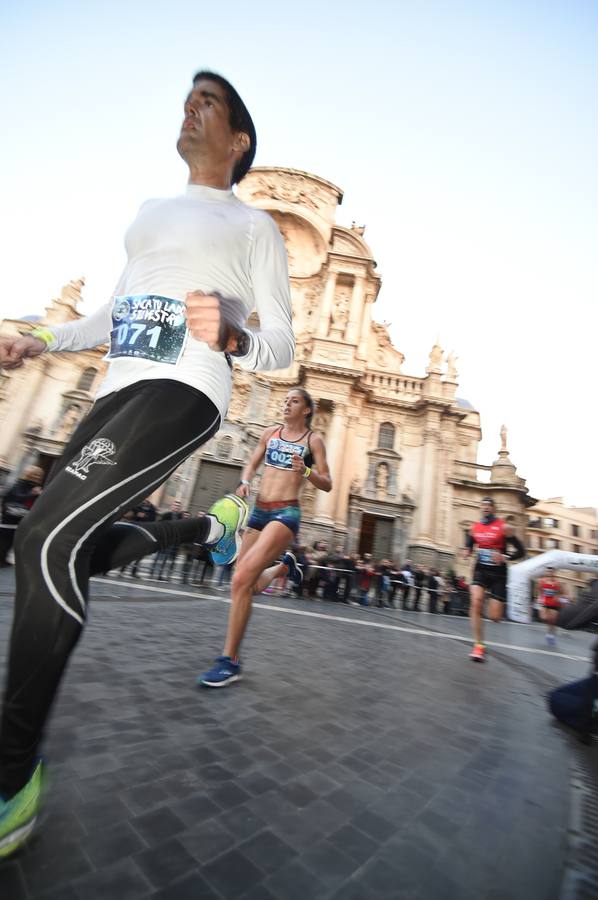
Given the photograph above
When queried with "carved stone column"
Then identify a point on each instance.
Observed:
(346, 472)
(326, 305)
(354, 528)
(357, 300)
(428, 479)
(364, 334)
(325, 508)
(444, 505)
(398, 540)
(186, 483)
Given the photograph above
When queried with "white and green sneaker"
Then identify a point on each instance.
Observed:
(18, 815)
(232, 513)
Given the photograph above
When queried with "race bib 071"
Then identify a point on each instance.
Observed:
(148, 327)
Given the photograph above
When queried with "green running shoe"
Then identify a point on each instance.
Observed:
(18, 815)
(232, 512)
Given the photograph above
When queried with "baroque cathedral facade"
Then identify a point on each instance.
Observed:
(402, 449)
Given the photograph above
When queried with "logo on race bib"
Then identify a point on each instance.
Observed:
(95, 454)
(121, 310)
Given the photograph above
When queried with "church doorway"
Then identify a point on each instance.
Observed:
(376, 536)
(213, 481)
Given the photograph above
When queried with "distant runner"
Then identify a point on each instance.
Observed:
(491, 536)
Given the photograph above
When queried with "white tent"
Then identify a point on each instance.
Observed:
(520, 575)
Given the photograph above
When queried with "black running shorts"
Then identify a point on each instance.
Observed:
(493, 579)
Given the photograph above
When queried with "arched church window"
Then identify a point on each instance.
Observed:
(386, 436)
(86, 379)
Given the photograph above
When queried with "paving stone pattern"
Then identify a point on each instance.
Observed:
(350, 764)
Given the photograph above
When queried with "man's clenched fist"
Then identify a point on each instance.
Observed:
(14, 350)
(213, 319)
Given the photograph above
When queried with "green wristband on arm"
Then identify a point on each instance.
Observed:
(42, 334)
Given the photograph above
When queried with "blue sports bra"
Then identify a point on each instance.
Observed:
(279, 452)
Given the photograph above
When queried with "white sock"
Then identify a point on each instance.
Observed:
(216, 530)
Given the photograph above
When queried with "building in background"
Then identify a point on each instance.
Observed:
(553, 526)
(42, 402)
(402, 448)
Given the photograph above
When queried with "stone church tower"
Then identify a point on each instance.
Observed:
(398, 446)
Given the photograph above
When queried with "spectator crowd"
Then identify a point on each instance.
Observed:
(359, 579)
(330, 575)
(335, 576)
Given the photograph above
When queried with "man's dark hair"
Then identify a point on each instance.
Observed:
(489, 500)
(238, 118)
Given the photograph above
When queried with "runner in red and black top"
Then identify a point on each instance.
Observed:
(550, 592)
(491, 536)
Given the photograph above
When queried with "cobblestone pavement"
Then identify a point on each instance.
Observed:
(363, 757)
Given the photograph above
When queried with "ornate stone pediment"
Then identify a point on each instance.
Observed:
(282, 189)
(350, 243)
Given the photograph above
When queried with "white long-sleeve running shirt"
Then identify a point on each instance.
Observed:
(205, 239)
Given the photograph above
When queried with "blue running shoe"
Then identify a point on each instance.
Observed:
(223, 672)
(232, 512)
(294, 573)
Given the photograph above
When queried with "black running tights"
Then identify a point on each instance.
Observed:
(129, 444)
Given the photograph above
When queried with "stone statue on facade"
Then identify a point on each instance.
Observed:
(503, 438)
(382, 477)
(340, 307)
(436, 356)
(380, 329)
(451, 368)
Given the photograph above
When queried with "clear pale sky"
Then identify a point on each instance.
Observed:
(464, 136)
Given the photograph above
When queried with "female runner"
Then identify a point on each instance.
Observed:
(292, 454)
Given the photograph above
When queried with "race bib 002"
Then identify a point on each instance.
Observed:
(279, 453)
(149, 327)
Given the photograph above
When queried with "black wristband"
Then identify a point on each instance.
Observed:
(243, 343)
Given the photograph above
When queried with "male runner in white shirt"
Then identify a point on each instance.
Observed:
(198, 264)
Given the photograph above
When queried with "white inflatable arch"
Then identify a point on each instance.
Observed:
(520, 575)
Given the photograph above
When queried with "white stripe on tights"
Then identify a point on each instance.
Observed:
(73, 557)
(139, 528)
(71, 566)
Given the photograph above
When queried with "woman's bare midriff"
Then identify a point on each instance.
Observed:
(279, 484)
